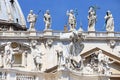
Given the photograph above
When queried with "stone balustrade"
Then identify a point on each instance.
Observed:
(55, 33)
(12, 74)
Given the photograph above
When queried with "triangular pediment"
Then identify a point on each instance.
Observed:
(109, 54)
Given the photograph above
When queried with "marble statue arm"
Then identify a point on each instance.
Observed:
(44, 18)
(28, 18)
(67, 13)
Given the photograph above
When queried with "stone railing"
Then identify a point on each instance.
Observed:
(11, 74)
(20, 76)
(102, 34)
(3, 76)
(56, 33)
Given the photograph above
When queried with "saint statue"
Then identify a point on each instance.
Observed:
(47, 20)
(37, 55)
(109, 21)
(91, 19)
(71, 20)
(100, 62)
(75, 48)
(8, 55)
(31, 19)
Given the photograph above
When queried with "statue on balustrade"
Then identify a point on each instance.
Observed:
(91, 19)
(8, 56)
(71, 20)
(47, 20)
(109, 21)
(32, 20)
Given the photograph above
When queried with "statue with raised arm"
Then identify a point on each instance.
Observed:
(32, 20)
(91, 19)
(109, 21)
(47, 20)
(71, 20)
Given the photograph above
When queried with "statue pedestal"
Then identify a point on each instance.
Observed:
(32, 33)
(48, 32)
(110, 34)
(92, 33)
(32, 29)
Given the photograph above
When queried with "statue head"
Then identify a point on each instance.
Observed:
(31, 11)
(47, 11)
(108, 12)
(71, 11)
(91, 8)
(33, 43)
(9, 43)
(100, 52)
(49, 42)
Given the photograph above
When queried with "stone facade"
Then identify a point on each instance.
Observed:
(54, 55)
(57, 57)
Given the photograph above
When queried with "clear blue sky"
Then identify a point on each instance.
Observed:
(58, 10)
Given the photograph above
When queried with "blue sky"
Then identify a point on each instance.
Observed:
(58, 10)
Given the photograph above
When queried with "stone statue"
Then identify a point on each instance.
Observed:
(32, 20)
(75, 46)
(103, 63)
(47, 20)
(100, 62)
(91, 19)
(109, 21)
(88, 69)
(75, 49)
(37, 55)
(71, 20)
(8, 55)
(60, 57)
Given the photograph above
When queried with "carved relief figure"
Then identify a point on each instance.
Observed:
(37, 55)
(109, 21)
(61, 56)
(103, 63)
(8, 55)
(88, 69)
(100, 62)
(31, 19)
(75, 49)
(50, 55)
(47, 20)
(91, 19)
(71, 19)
